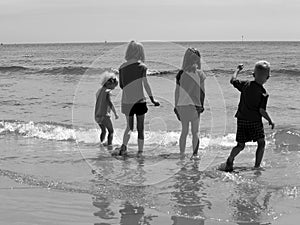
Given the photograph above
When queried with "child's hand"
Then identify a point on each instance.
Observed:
(272, 124)
(155, 103)
(116, 116)
(240, 67)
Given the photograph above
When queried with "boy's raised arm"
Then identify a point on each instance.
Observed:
(236, 72)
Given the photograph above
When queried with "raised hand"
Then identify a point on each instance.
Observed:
(240, 67)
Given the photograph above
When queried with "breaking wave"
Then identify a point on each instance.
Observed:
(79, 70)
(69, 133)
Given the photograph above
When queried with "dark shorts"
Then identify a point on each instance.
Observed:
(137, 109)
(249, 131)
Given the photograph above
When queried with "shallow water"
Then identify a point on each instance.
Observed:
(53, 171)
(119, 188)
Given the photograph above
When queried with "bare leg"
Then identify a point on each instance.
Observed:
(128, 130)
(140, 130)
(235, 151)
(259, 151)
(108, 124)
(103, 132)
(195, 134)
(183, 135)
(228, 165)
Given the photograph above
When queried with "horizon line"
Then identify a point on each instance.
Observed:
(144, 41)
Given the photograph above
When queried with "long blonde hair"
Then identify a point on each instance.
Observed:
(135, 51)
(191, 57)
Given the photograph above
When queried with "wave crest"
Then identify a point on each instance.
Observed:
(79, 70)
(65, 132)
(69, 133)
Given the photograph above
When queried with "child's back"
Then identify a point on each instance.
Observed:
(102, 105)
(251, 109)
(253, 97)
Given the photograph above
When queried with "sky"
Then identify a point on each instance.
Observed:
(52, 21)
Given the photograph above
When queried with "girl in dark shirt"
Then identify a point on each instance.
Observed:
(133, 81)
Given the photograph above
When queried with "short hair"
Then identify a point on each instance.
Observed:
(191, 56)
(262, 67)
(135, 50)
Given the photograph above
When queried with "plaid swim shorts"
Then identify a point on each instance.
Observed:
(249, 131)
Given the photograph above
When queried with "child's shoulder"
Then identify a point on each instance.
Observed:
(142, 65)
(241, 81)
(123, 65)
(133, 63)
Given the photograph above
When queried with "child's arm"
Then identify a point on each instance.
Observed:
(176, 101)
(111, 105)
(178, 76)
(97, 106)
(236, 72)
(120, 80)
(176, 94)
(265, 115)
(149, 92)
(202, 88)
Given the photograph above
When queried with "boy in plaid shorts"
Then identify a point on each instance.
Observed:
(251, 109)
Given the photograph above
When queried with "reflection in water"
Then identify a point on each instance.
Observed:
(133, 196)
(131, 215)
(123, 171)
(134, 215)
(103, 205)
(250, 203)
(178, 220)
(190, 196)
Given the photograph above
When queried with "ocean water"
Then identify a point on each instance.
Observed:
(53, 170)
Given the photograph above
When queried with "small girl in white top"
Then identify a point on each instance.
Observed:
(189, 97)
(104, 106)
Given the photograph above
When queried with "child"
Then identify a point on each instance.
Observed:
(104, 105)
(251, 109)
(189, 98)
(133, 80)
